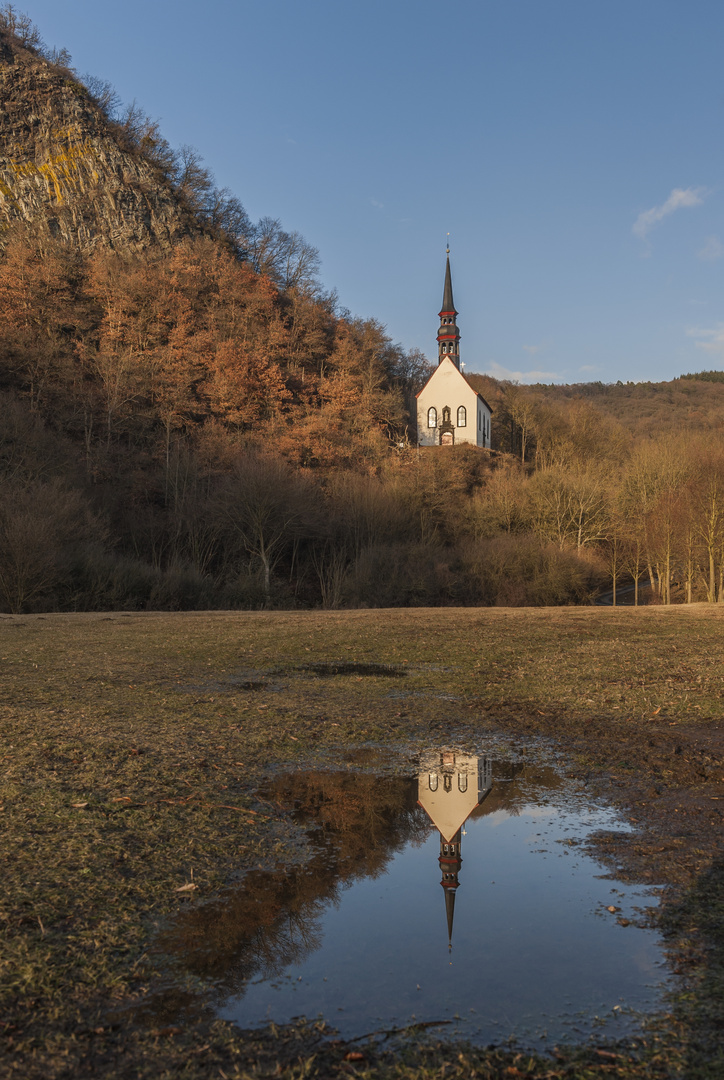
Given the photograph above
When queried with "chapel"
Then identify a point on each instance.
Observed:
(449, 410)
(450, 786)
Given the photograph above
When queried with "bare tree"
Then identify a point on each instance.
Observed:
(268, 509)
(20, 26)
(569, 506)
(42, 526)
(103, 93)
(193, 181)
(285, 257)
(656, 472)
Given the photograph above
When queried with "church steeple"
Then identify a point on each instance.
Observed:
(450, 861)
(448, 336)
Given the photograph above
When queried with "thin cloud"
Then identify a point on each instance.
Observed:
(499, 372)
(679, 199)
(710, 339)
(713, 249)
(377, 205)
(541, 346)
(589, 368)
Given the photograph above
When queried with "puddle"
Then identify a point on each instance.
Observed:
(462, 895)
(330, 668)
(239, 682)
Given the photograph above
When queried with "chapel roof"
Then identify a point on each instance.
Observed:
(467, 380)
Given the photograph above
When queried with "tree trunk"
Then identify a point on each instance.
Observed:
(650, 569)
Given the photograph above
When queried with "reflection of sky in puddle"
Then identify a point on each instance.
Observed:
(534, 950)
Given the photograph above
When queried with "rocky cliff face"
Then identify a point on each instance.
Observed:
(64, 173)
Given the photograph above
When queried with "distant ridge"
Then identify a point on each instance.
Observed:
(705, 376)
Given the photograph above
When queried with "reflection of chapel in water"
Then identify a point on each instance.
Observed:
(450, 786)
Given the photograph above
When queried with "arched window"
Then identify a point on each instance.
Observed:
(432, 417)
(462, 416)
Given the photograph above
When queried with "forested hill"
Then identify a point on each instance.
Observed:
(693, 403)
(187, 419)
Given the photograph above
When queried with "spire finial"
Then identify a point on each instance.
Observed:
(447, 249)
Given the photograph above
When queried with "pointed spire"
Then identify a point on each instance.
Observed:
(450, 909)
(448, 304)
(450, 861)
(448, 335)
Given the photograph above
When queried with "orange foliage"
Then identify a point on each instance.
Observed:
(243, 387)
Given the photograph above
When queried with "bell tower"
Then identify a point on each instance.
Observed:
(448, 336)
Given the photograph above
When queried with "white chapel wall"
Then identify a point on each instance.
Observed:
(448, 387)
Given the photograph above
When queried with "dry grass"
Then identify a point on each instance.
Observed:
(132, 746)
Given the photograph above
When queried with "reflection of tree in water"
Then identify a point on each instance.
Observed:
(356, 823)
(271, 920)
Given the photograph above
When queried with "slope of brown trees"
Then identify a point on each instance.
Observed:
(182, 432)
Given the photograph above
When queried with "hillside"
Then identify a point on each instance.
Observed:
(64, 170)
(691, 402)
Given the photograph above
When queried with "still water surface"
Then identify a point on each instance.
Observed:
(461, 894)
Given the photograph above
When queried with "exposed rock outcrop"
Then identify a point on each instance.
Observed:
(63, 170)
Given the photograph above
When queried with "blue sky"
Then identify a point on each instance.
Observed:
(573, 150)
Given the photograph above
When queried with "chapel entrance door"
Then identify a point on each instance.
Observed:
(447, 438)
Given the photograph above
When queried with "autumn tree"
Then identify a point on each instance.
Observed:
(40, 307)
(243, 387)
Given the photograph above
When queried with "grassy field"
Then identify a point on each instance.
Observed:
(133, 747)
